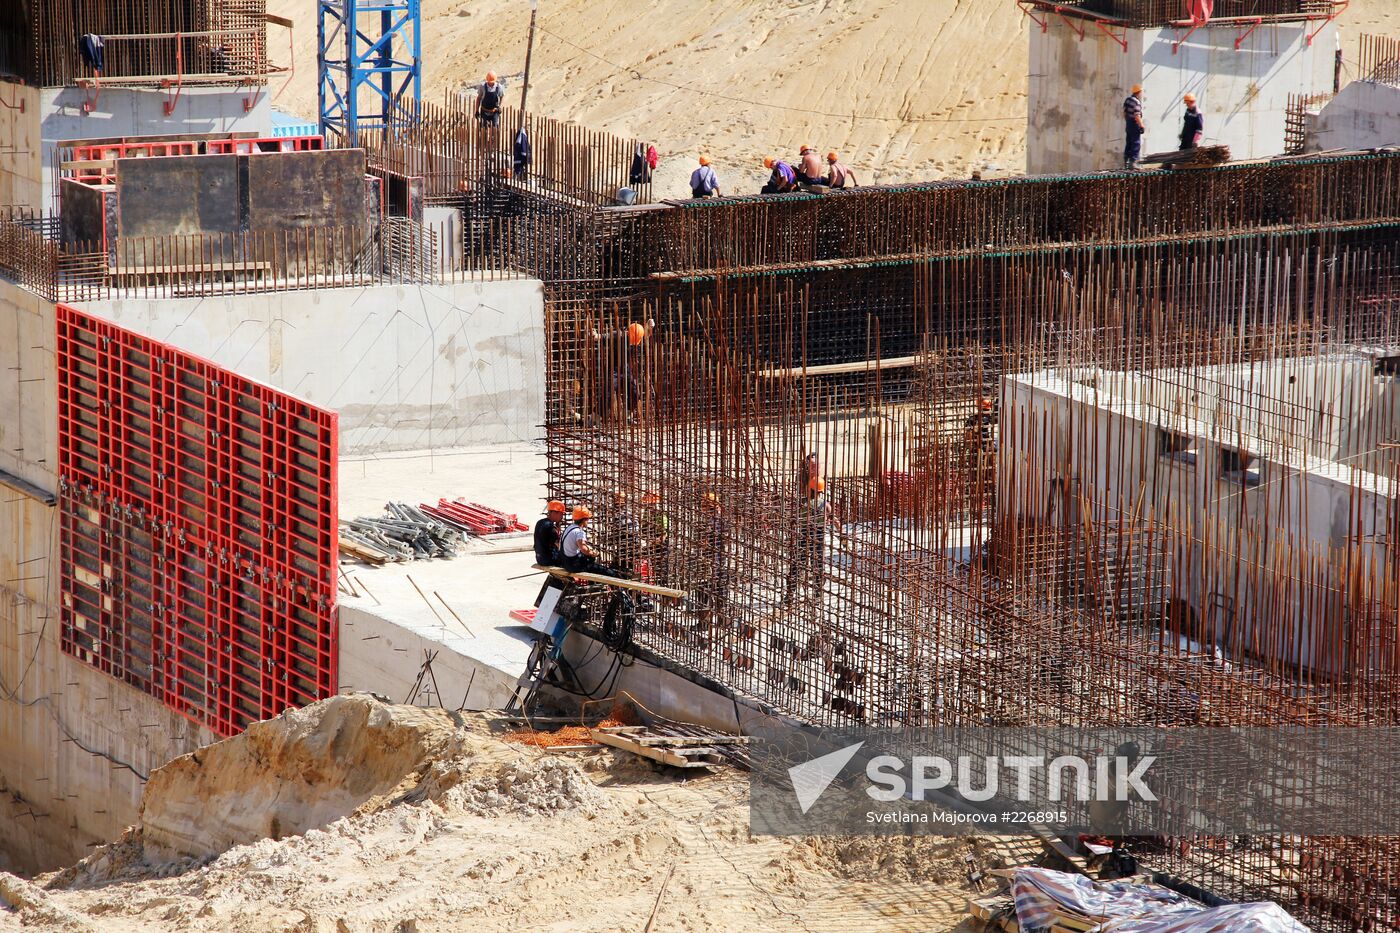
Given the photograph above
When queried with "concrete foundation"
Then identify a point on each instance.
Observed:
(1365, 115)
(1078, 83)
(407, 367)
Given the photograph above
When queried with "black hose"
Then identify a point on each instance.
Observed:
(616, 632)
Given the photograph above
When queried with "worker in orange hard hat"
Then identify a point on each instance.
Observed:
(1133, 128)
(1193, 123)
(575, 553)
(783, 179)
(490, 97)
(838, 174)
(808, 567)
(704, 183)
(617, 365)
(809, 167)
(547, 534)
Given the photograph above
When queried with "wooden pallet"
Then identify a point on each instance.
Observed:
(678, 751)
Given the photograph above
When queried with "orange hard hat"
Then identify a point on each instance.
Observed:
(985, 404)
(651, 498)
(490, 77)
(636, 333)
(704, 160)
(555, 506)
(1190, 98)
(821, 485)
(581, 512)
(768, 162)
(831, 157)
(1137, 88)
(806, 148)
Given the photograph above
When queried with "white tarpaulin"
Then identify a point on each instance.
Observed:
(1126, 907)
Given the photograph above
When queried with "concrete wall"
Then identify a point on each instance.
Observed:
(1364, 115)
(21, 148)
(378, 656)
(1077, 87)
(140, 112)
(1294, 546)
(407, 367)
(75, 744)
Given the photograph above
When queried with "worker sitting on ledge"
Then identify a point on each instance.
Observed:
(576, 555)
(704, 183)
(809, 169)
(547, 535)
(783, 179)
(840, 174)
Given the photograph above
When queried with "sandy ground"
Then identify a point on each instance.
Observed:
(903, 89)
(483, 835)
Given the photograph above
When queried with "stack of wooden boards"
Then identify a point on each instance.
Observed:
(677, 745)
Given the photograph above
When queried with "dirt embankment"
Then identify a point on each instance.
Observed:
(399, 818)
(905, 90)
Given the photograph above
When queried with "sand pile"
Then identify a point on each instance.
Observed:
(290, 774)
(475, 833)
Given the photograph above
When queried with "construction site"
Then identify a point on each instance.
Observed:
(1064, 443)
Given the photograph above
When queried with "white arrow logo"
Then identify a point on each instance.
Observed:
(811, 778)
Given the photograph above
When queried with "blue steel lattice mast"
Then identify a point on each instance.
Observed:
(370, 55)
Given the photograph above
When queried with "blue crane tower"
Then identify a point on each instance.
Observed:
(370, 56)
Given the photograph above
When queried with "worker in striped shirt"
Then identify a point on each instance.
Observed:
(1133, 128)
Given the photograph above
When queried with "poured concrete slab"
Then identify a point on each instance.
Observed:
(458, 607)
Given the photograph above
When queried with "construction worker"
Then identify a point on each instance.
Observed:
(713, 585)
(629, 533)
(980, 428)
(704, 183)
(1133, 128)
(489, 98)
(809, 540)
(618, 364)
(576, 555)
(547, 532)
(809, 168)
(1193, 124)
(783, 179)
(838, 175)
(656, 537)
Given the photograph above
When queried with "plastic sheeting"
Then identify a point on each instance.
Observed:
(1127, 907)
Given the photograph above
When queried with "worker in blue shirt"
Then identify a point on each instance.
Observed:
(1193, 124)
(1133, 128)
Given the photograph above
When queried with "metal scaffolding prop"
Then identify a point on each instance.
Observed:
(942, 456)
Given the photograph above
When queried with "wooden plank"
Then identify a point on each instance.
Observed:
(278, 20)
(618, 582)
(831, 369)
(80, 164)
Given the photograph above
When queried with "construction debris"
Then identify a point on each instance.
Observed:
(1037, 899)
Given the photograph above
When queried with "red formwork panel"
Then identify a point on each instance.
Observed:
(265, 144)
(198, 527)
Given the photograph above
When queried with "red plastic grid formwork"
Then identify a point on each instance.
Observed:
(199, 527)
